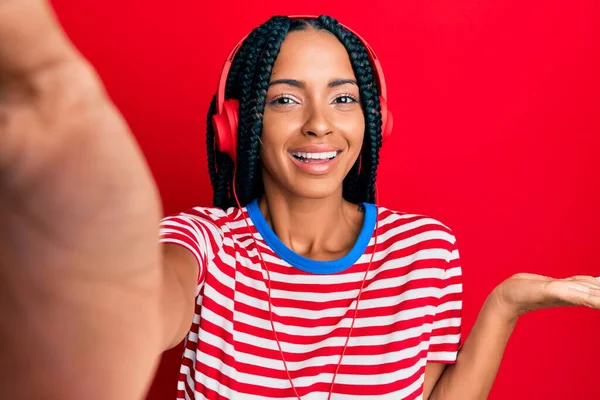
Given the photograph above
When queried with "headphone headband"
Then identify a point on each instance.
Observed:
(372, 57)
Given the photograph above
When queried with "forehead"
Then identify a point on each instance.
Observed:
(312, 54)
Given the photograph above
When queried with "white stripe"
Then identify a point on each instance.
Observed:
(441, 356)
(276, 364)
(451, 289)
(446, 339)
(365, 304)
(367, 322)
(447, 323)
(449, 306)
(453, 272)
(455, 255)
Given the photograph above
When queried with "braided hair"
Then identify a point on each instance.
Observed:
(248, 81)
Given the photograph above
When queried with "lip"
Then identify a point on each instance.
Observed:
(320, 167)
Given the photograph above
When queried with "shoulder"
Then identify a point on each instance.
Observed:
(218, 217)
(204, 229)
(420, 243)
(414, 230)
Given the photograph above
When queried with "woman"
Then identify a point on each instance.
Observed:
(305, 289)
(316, 118)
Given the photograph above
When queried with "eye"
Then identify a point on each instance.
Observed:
(345, 99)
(282, 100)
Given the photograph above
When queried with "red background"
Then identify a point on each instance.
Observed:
(497, 111)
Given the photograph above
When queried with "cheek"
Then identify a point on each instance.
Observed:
(278, 128)
(273, 138)
(355, 130)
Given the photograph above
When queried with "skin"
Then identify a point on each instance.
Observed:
(307, 211)
(88, 298)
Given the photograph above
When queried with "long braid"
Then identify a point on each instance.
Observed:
(254, 80)
(210, 143)
(251, 114)
(350, 186)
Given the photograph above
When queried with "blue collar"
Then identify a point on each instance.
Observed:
(306, 264)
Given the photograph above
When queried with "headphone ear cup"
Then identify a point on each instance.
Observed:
(387, 120)
(389, 125)
(225, 126)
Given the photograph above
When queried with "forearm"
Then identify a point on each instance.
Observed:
(473, 374)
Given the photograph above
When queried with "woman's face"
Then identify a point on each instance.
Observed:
(313, 123)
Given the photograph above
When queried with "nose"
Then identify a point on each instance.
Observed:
(317, 122)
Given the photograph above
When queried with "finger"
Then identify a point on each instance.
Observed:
(585, 278)
(30, 38)
(584, 294)
(595, 282)
(592, 298)
(590, 285)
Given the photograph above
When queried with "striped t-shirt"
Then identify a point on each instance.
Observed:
(409, 312)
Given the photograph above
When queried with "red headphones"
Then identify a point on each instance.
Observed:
(225, 121)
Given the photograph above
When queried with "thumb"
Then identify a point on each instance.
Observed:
(30, 38)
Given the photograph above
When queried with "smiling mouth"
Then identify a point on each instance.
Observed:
(317, 157)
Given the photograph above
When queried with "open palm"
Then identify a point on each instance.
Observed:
(528, 292)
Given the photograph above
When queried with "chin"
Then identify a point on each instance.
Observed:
(315, 189)
(305, 186)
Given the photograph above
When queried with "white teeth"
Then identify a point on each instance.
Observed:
(315, 156)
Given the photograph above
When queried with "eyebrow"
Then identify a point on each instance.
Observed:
(300, 84)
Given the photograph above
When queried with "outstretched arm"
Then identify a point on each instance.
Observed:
(83, 293)
(473, 374)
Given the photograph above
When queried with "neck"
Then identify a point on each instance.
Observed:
(321, 229)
